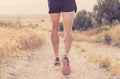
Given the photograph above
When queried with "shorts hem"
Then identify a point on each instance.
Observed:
(69, 11)
(53, 12)
(62, 11)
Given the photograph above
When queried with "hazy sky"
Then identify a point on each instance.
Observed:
(36, 6)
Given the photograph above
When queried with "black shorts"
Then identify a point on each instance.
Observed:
(57, 6)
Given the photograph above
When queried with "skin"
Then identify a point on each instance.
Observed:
(68, 18)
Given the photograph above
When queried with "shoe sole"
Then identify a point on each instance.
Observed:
(57, 64)
(66, 70)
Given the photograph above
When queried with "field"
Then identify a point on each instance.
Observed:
(18, 35)
(26, 50)
(105, 36)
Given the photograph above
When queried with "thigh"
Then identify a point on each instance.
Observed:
(55, 17)
(68, 18)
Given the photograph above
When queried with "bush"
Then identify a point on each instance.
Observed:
(15, 41)
(99, 39)
(104, 37)
(108, 10)
(105, 28)
(61, 26)
(82, 21)
(107, 39)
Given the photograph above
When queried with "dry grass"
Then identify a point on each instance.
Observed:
(84, 36)
(89, 35)
(111, 37)
(112, 67)
(105, 34)
(78, 47)
(115, 36)
(14, 41)
(94, 31)
(18, 35)
(103, 60)
(77, 36)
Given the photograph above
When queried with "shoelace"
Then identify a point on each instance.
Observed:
(66, 58)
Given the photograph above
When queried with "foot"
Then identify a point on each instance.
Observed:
(57, 61)
(66, 70)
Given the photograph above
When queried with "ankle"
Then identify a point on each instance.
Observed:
(56, 56)
(65, 56)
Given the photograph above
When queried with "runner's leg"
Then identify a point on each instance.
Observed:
(54, 34)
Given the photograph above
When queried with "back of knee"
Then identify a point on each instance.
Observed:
(68, 36)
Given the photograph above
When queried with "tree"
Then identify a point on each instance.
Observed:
(82, 21)
(61, 26)
(107, 10)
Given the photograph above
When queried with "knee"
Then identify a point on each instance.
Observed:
(68, 36)
(55, 27)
